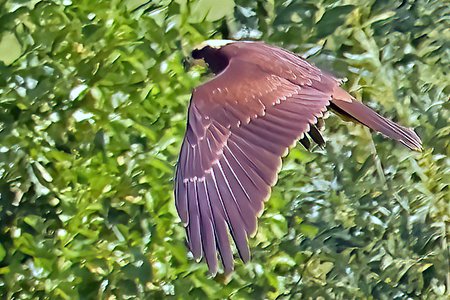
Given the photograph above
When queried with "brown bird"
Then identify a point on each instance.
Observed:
(240, 124)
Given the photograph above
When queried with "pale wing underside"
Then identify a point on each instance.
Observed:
(232, 153)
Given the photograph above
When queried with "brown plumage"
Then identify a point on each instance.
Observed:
(262, 100)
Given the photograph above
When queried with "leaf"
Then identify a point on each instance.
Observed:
(133, 4)
(332, 19)
(43, 172)
(381, 17)
(10, 48)
(309, 231)
(2, 253)
(211, 10)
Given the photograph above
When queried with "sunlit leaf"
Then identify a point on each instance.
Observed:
(10, 48)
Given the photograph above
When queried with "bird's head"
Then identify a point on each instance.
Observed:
(199, 51)
(209, 52)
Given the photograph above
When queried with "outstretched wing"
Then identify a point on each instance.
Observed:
(240, 124)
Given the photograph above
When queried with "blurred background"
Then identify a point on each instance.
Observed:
(93, 101)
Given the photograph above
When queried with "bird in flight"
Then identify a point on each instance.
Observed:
(262, 100)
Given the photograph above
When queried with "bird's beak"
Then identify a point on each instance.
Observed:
(189, 63)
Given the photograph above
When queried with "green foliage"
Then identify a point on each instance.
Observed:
(93, 99)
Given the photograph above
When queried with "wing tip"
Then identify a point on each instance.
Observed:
(226, 272)
(413, 140)
(417, 148)
(213, 269)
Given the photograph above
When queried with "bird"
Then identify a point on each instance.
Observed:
(260, 102)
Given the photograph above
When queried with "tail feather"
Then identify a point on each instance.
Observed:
(357, 111)
(316, 136)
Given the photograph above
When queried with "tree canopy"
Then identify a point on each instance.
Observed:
(93, 102)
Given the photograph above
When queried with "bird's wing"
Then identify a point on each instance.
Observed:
(240, 124)
(343, 103)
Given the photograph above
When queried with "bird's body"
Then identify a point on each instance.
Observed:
(262, 100)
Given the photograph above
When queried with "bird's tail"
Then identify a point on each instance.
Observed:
(349, 108)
